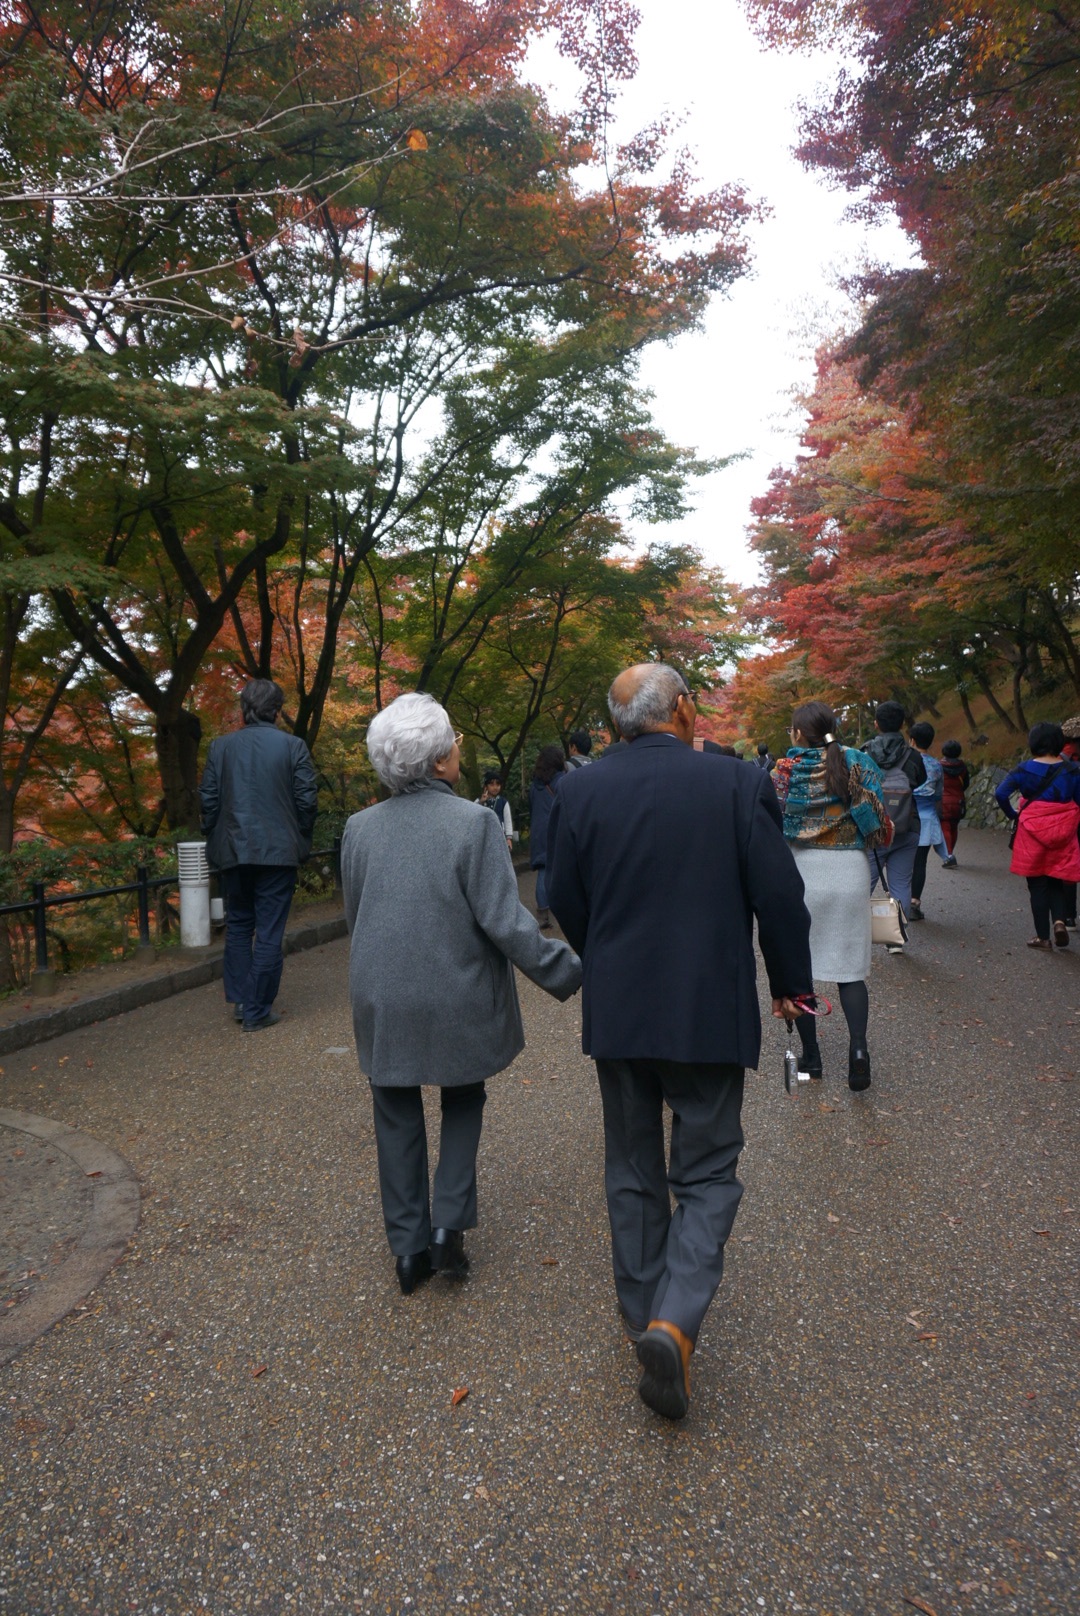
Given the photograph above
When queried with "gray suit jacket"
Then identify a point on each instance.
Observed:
(431, 902)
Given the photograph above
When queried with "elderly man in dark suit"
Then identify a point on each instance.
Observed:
(659, 860)
(259, 799)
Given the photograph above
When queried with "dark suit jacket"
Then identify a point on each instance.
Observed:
(259, 798)
(658, 860)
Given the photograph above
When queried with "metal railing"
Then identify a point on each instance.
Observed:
(143, 885)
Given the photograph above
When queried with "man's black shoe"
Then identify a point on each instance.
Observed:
(270, 1019)
(447, 1253)
(238, 1012)
(412, 1271)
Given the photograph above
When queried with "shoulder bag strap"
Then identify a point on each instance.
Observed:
(1048, 781)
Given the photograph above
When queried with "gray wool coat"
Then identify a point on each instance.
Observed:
(437, 927)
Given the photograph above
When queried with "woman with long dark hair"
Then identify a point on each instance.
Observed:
(548, 770)
(833, 814)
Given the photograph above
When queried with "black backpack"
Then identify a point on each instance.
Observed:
(898, 796)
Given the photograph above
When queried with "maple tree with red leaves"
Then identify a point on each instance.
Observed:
(244, 255)
(929, 543)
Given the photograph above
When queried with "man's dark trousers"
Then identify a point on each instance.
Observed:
(669, 1265)
(257, 902)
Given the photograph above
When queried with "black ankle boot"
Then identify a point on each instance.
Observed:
(412, 1271)
(447, 1251)
(810, 1062)
(858, 1071)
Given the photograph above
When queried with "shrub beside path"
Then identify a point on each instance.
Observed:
(245, 1414)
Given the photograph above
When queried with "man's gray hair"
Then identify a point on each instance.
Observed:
(407, 739)
(652, 703)
(260, 701)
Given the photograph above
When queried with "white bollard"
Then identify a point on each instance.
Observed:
(194, 894)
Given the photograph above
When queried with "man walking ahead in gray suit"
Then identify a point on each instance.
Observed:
(259, 799)
(658, 859)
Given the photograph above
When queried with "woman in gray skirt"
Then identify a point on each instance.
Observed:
(833, 813)
(432, 905)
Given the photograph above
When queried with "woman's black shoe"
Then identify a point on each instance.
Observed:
(811, 1063)
(412, 1271)
(858, 1071)
(447, 1252)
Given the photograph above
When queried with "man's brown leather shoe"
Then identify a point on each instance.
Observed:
(664, 1354)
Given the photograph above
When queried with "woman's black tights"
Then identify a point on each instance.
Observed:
(1047, 896)
(855, 1003)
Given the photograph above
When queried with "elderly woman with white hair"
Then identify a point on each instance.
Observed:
(432, 905)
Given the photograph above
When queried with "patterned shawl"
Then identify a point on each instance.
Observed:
(813, 816)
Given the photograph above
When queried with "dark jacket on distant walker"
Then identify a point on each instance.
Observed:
(658, 861)
(259, 798)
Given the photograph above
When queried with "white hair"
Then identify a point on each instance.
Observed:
(652, 703)
(407, 739)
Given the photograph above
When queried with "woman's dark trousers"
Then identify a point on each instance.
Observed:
(401, 1139)
(1047, 896)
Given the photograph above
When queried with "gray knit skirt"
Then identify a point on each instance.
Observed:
(837, 882)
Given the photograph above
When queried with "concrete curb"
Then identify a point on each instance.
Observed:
(37, 1029)
(114, 1217)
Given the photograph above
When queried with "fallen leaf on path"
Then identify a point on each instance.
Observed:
(926, 1335)
(917, 1322)
(919, 1604)
(255, 1373)
(1030, 1396)
(481, 1492)
(968, 1587)
(832, 1217)
(96, 1174)
(459, 1396)
(1040, 1231)
(549, 1262)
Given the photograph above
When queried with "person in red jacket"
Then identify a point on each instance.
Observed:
(952, 807)
(1045, 846)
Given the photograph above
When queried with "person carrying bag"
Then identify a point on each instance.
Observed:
(1044, 842)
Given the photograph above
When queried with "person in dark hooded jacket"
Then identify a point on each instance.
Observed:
(889, 750)
(259, 799)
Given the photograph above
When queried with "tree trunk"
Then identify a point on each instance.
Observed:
(961, 691)
(177, 742)
(1018, 705)
(984, 686)
(8, 977)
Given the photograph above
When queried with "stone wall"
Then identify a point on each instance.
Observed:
(983, 812)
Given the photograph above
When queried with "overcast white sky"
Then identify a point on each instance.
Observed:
(729, 388)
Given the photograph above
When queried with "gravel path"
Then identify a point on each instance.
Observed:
(247, 1416)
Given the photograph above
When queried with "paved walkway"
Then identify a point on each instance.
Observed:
(246, 1416)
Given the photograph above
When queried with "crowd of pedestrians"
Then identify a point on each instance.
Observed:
(657, 865)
